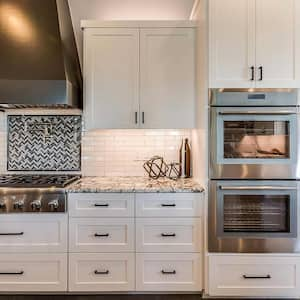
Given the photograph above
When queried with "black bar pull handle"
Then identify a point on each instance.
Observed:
(168, 234)
(173, 272)
(101, 205)
(257, 277)
(106, 272)
(12, 273)
(252, 73)
(168, 205)
(143, 117)
(12, 233)
(101, 234)
(136, 117)
(261, 73)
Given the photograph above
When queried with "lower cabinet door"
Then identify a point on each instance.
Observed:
(101, 235)
(34, 233)
(101, 272)
(168, 235)
(254, 275)
(168, 272)
(33, 272)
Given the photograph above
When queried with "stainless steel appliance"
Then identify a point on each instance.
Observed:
(39, 63)
(34, 193)
(254, 135)
(253, 216)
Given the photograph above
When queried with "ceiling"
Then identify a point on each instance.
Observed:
(127, 10)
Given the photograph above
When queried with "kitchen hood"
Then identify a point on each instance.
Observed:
(39, 64)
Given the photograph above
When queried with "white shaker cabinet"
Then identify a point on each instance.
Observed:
(111, 77)
(253, 275)
(139, 75)
(135, 242)
(254, 43)
(232, 43)
(276, 48)
(167, 75)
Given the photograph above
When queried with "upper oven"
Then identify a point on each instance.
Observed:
(248, 142)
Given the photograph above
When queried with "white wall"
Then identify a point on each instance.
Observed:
(200, 139)
(200, 135)
(127, 10)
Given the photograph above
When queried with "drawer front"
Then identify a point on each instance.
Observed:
(102, 272)
(101, 235)
(33, 233)
(253, 276)
(101, 205)
(33, 272)
(168, 235)
(168, 272)
(169, 205)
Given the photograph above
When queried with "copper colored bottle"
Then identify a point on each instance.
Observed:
(185, 159)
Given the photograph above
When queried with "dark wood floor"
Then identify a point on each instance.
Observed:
(100, 297)
(105, 297)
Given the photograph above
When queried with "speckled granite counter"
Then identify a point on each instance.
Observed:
(133, 185)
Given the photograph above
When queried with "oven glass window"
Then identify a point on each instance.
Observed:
(256, 213)
(256, 139)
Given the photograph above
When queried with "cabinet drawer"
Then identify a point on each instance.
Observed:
(33, 233)
(101, 235)
(101, 205)
(102, 272)
(33, 272)
(168, 235)
(169, 205)
(168, 272)
(253, 275)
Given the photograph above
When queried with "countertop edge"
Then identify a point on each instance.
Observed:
(133, 185)
(86, 191)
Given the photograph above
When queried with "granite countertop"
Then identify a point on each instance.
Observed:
(133, 185)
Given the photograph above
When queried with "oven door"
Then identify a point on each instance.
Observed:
(253, 216)
(258, 143)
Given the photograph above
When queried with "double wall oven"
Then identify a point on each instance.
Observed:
(254, 155)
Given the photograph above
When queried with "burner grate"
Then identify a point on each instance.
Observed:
(59, 181)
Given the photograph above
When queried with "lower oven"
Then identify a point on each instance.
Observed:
(253, 216)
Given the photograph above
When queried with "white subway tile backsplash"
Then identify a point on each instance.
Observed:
(123, 152)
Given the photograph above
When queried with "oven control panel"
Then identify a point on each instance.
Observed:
(32, 201)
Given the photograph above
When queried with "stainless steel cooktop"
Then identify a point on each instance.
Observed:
(34, 193)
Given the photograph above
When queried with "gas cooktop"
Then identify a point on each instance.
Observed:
(34, 193)
(37, 181)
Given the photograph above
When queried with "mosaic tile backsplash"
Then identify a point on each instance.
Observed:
(43, 143)
(123, 152)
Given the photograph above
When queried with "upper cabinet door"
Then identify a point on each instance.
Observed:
(232, 43)
(275, 43)
(111, 77)
(167, 72)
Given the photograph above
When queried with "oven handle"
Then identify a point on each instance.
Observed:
(251, 188)
(280, 113)
(257, 277)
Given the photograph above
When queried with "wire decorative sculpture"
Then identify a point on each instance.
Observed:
(156, 167)
(174, 171)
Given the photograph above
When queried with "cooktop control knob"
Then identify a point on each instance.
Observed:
(36, 205)
(53, 205)
(18, 204)
(2, 205)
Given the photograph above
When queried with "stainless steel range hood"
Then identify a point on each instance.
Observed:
(39, 64)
